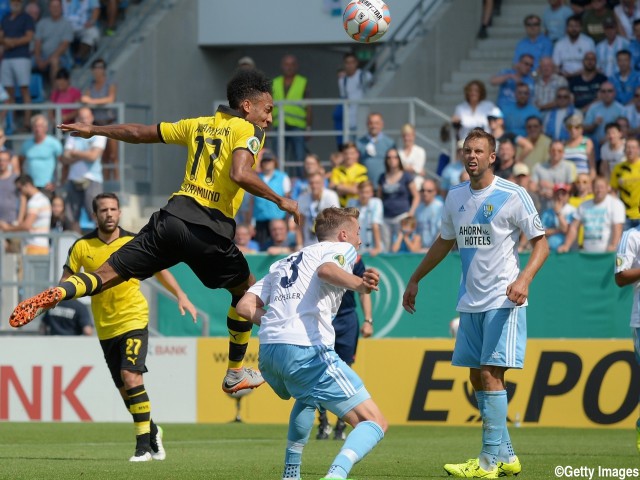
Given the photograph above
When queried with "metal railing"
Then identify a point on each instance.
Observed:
(412, 105)
(120, 108)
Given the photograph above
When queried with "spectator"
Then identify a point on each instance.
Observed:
(625, 179)
(625, 128)
(429, 213)
(612, 151)
(37, 219)
(581, 191)
(536, 148)
(451, 173)
(39, 155)
(83, 16)
(495, 119)
(558, 217)
(63, 92)
(547, 85)
(554, 19)
(310, 204)
(632, 114)
(602, 219)
(14, 165)
(301, 185)
(509, 79)
(569, 51)
(243, 240)
(278, 242)
(516, 115)
(634, 45)
(487, 13)
(554, 127)
(102, 91)
(522, 178)
(579, 148)
(604, 111)
(246, 62)
(556, 170)
(59, 220)
(586, 85)
(15, 69)
(297, 118)
(346, 177)
(473, 111)
(371, 218)
(607, 49)
(112, 7)
(69, 317)
(83, 169)
(264, 210)
(535, 43)
(596, 19)
(407, 240)
(374, 146)
(412, 156)
(625, 80)
(53, 36)
(626, 13)
(352, 85)
(32, 8)
(506, 158)
(9, 195)
(399, 196)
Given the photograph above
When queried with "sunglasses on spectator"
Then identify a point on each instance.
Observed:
(528, 64)
(532, 24)
(562, 96)
(606, 90)
(428, 190)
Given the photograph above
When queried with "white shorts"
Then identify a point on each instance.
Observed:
(88, 36)
(15, 72)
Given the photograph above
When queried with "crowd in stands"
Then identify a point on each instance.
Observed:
(566, 120)
(45, 40)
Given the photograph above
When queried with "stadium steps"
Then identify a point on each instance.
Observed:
(484, 60)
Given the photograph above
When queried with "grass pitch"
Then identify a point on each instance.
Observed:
(33, 451)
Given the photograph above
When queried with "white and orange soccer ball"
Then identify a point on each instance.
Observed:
(366, 21)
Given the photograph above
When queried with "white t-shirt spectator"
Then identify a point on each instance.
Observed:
(471, 119)
(598, 220)
(568, 55)
(41, 206)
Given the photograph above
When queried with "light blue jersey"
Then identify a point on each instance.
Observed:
(487, 225)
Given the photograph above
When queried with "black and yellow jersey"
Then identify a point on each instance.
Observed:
(118, 309)
(207, 195)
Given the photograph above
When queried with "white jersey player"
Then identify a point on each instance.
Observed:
(303, 292)
(627, 273)
(486, 217)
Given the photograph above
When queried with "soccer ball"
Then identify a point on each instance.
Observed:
(366, 20)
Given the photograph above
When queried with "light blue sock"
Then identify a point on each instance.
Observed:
(494, 419)
(300, 425)
(360, 441)
(506, 453)
(480, 400)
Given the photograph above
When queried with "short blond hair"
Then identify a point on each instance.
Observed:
(331, 219)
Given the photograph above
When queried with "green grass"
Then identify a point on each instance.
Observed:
(255, 452)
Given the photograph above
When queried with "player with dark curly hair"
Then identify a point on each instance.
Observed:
(197, 224)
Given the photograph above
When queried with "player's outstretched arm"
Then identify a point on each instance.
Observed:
(125, 132)
(251, 306)
(518, 291)
(243, 174)
(333, 274)
(433, 257)
(169, 282)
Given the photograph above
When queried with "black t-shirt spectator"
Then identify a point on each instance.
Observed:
(69, 317)
(585, 92)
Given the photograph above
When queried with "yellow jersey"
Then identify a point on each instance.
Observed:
(119, 309)
(207, 195)
(625, 178)
(352, 175)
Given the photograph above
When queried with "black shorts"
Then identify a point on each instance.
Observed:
(347, 331)
(126, 352)
(168, 240)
